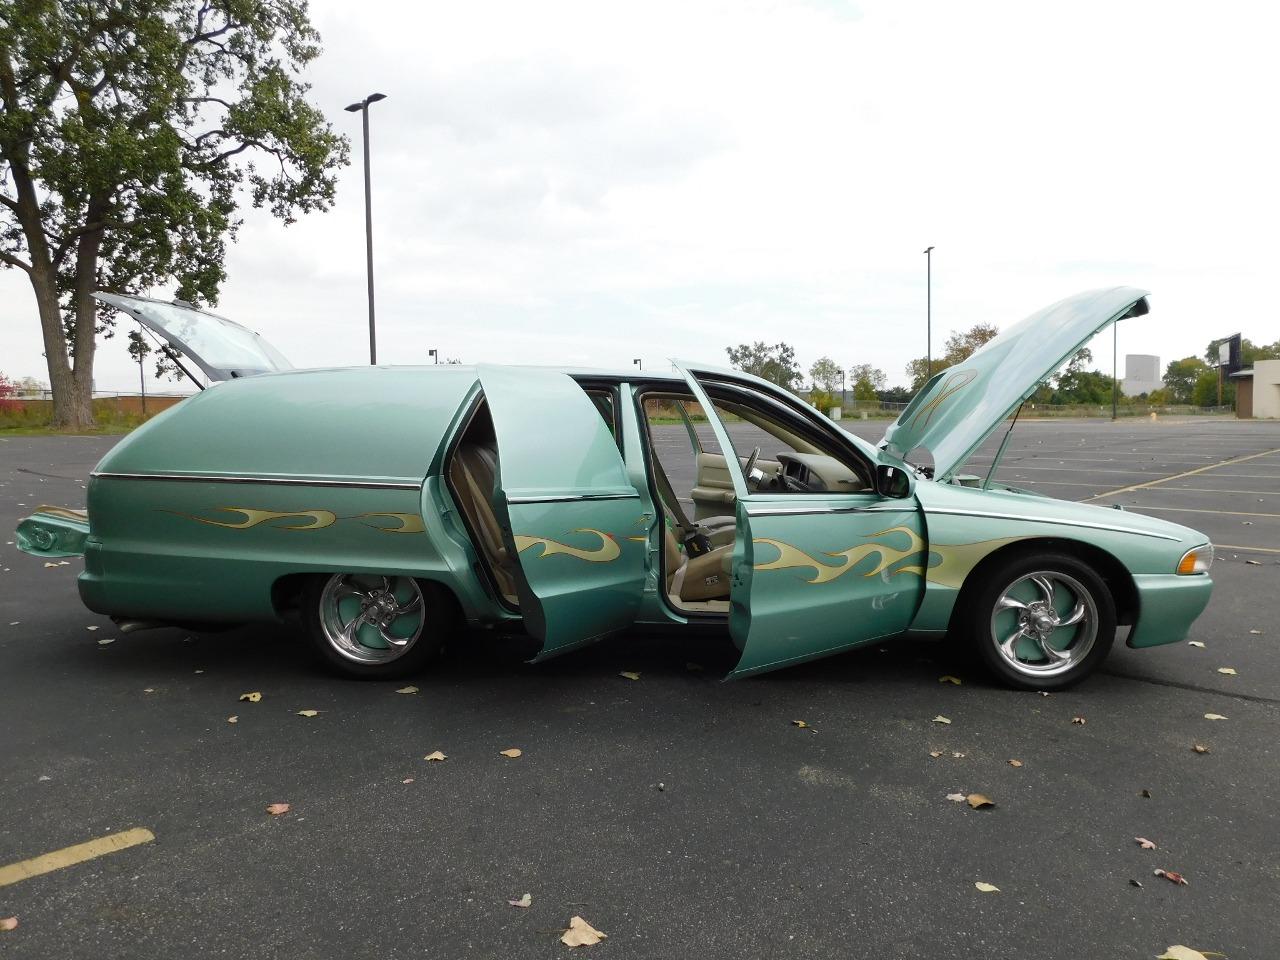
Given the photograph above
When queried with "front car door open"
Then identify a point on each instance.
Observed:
(567, 509)
(816, 572)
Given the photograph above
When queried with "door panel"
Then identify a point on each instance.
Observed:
(815, 573)
(567, 509)
(713, 491)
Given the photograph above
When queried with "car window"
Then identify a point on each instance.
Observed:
(605, 402)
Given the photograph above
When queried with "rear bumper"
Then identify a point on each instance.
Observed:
(1167, 606)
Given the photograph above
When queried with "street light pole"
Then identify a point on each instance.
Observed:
(363, 108)
(434, 355)
(639, 363)
(928, 313)
(1115, 384)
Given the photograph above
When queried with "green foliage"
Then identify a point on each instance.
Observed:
(960, 346)
(776, 363)
(894, 395)
(867, 382)
(1180, 378)
(1205, 391)
(130, 133)
(822, 399)
(1250, 352)
(826, 375)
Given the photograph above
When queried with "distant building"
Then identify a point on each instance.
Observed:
(1258, 390)
(1141, 374)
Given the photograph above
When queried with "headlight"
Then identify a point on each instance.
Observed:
(1196, 560)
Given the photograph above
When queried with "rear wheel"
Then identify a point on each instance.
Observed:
(1041, 622)
(375, 627)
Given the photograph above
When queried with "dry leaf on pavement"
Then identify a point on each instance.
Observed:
(1256, 633)
(233, 719)
(91, 628)
(581, 934)
(409, 689)
(436, 755)
(525, 901)
(407, 780)
(940, 719)
(1214, 716)
(956, 797)
(986, 887)
(1078, 721)
(1144, 843)
(1172, 877)
(799, 723)
(1228, 671)
(253, 697)
(275, 809)
(1195, 643)
(630, 675)
(308, 713)
(9, 923)
(935, 753)
(978, 802)
(512, 753)
(949, 679)
(105, 640)
(1199, 748)
(1015, 763)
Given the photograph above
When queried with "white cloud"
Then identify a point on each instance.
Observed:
(586, 184)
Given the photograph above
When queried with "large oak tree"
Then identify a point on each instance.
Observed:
(131, 132)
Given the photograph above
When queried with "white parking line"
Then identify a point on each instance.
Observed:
(1139, 507)
(1188, 473)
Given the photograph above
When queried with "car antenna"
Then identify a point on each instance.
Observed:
(995, 462)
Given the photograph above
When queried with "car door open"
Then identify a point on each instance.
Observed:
(566, 508)
(813, 572)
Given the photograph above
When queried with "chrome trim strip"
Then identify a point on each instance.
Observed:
(815, 511)
(1053, 520)
(278, 481)
(571, 497)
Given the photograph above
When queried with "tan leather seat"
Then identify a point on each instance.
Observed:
(473, 472)
(705, 577)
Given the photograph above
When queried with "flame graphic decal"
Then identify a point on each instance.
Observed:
(607, 551)
(316, 520)
(790, 557)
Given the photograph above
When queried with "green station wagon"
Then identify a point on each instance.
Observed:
(390, 507)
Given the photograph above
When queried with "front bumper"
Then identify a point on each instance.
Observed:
(1167, 606)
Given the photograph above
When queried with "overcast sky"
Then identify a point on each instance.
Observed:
(587, 183)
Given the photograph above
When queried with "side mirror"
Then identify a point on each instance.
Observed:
(893, 482)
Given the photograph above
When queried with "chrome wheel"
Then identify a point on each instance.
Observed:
(371, 619)
(1044, 624)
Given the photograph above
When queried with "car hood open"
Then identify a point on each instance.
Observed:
(961, 405)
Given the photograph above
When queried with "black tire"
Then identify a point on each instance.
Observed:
(1022, 646)
(331, 601)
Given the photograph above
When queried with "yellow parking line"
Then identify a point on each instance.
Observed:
(1188, 473)
(69, 856)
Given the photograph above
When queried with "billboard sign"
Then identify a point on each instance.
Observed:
(1229, 353)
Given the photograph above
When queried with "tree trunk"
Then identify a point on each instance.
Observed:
(69, 411)
(86, 309)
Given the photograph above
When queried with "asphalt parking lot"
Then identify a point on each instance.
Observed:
(682, 816)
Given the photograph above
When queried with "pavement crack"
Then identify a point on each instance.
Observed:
(51, 476)
(1195, 688)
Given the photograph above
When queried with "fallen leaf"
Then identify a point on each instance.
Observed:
(940, 719)
(253, 697)
(1229, 671)
(1195, 643)
(1179, 952)
(1172, 877)
(1044, 693)
(525, 901)
(308, 713)
(957, 755)
(949, 679)
(149, 690)
(436, 755)
(630, 675)
(956, 797)
(978, 802)
(986, 887)
(9, 923)
(581, 934)
(409, 689)
(105, 640)
(91, 628)
(799, 723)
(275, 809)
(1256, 633)
(1015, 763)
(407, 780)
(935, 753)
(1214, 716)
(1199, 748)
(47, 565)
(233, 719)
(1144, 843)
(1134, 883)
(512, 753)
(1145, 794)
(1078, 721)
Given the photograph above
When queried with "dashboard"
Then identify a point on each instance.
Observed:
(815, 473)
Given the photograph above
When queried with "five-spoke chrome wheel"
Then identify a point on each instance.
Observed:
(1044, 623)
(371, 619)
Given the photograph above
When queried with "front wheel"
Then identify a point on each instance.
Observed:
(375, 627)
(1041, 622)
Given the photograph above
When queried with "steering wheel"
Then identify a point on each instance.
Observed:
(751, 464)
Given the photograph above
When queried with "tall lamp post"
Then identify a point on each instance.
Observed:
(434, 355)
(928, 312)
(363, 108)
(1115, 367)
(639, 363)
